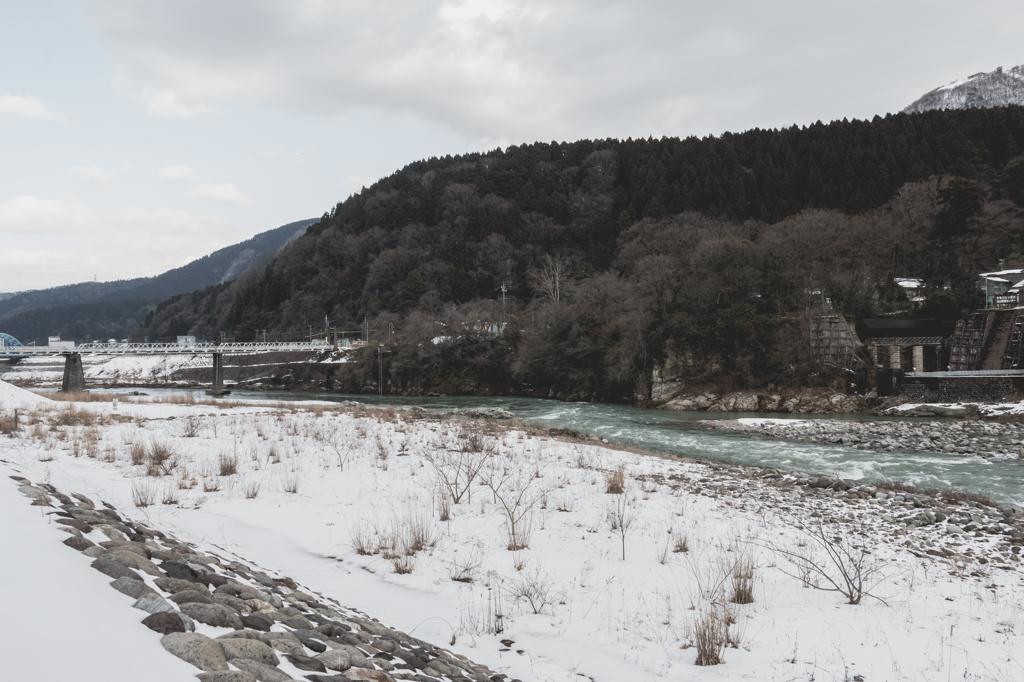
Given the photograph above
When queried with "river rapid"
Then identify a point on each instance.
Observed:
(683, 434)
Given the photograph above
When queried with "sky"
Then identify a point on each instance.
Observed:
(138, 135)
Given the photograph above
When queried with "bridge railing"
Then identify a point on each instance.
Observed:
(176, 349)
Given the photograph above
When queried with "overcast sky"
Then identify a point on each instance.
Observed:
(137, 135)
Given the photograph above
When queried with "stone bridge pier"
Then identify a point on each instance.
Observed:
(74, 375)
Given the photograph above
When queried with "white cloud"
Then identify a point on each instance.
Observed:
(27, 107)
(224, 193)
(177, 173)
(92, 174)
(163, 220)
(531, 69)
(166, 104)
(27, 213)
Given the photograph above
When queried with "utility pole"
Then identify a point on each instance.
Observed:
(380, 370)
(504, 289)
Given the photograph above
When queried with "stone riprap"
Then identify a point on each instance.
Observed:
(991, 440)
(256, 628)
(961, 533)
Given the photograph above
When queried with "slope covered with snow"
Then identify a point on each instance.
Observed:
(996, 89)
(550, 558)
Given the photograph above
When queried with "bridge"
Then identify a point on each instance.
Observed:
(74, 374)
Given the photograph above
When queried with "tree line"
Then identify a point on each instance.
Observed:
(601, 259)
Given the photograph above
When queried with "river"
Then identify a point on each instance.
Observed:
(681, 433)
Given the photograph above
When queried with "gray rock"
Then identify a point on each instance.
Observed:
(335, 660)
(297, 623)
(173, 585)
(262, 672)
(80, 544)
(94, 552)
(251, 649)
(306, 663)
(246, 634)
(192, 596)
(288, 646)
(176, 569)
(114, 569)
(164, 622)
(257, 622)
(199, 650)
(133, 588)
(153, 603)
(33, 492)
(954, 530)
(227, 676)
(217, 615)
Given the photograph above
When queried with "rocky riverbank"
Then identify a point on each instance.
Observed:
(234, 622)
(805, 402)
(990, 440)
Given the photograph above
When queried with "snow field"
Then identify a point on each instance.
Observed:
(507, 544)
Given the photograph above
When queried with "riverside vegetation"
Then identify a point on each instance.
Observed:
(598, 261)
(518, 545)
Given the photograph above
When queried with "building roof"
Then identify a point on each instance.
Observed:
(1018, 271)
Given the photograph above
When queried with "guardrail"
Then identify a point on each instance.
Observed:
(173, 348)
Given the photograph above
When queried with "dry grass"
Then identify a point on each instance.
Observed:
(72, 416)
(227, 465)
(710, 633)
(743, 580)
(615, 482)
(143, 494)
(81, 396)
(8, 423)
(252, 489)
(161, 458)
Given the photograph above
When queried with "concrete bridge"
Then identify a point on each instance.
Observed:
(74, 374)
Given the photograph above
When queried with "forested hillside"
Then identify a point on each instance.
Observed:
(615, 253)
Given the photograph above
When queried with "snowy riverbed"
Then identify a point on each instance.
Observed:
(336, 498)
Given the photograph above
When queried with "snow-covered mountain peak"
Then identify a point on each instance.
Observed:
(995, 89)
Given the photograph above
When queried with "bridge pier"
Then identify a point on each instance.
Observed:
(217, 388)
(74, 375)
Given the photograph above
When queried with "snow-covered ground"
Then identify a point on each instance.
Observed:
(343, 499)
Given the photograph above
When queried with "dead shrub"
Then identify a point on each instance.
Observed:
(143, 494)
(190, 426)
(227, 464)
(252, 489)
(403, 564)
(743, 580)
(170, 496)
(710, 633)
(137, 454)
(615, 482)
(211, 485)
(290, 484)
(680, 543)
(161, 459)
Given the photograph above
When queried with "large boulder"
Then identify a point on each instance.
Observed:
(199, 650)
(252, 649)
(261, 671)
(216, 615)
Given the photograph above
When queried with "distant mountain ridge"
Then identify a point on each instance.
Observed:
(70, 310)
(998, 88)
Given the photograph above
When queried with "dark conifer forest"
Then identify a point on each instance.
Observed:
(576, 269)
